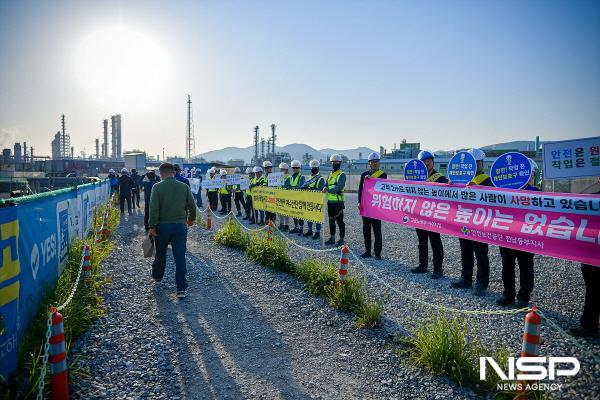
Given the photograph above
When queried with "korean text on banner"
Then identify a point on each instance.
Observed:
(559, 225)
(303, 204)
(572, 158)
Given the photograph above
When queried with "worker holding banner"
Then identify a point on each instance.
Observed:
(268, 167)
(368, 223)
(259, 180)
(336, 181)
(423, 235)
(525, 259)
(211, 193)
(225, 195)
(468, 247)
(238, 196)
(316, 182)
(249, 209)
(295, 182)
(284, 220)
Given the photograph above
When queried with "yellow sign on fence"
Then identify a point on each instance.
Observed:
(302, 204)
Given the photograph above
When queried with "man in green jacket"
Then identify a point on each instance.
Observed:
(171, 207)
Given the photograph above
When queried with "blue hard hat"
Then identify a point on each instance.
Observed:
(425, 154)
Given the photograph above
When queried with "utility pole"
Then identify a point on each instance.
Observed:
(262, 149)
(190, 149)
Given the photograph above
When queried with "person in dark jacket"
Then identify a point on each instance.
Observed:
(135, 190)
(125, 186)
(146, 182)
(480, 249)
(424, 236)
(371, 223)
(114, 181)
(180, 177)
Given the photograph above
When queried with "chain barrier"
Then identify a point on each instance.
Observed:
(43, 369)
(307, 248)
(562, 332)
(75, 286)
(437, 306)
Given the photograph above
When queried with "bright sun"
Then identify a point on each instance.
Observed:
(121, 68)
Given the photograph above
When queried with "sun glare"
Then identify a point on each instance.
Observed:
(121, 67)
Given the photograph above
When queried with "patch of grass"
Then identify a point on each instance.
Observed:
(443, 345)
(232, 235)
(349, 296)
(270, 253)
(85, 307)
(368, 315)
(318, 275)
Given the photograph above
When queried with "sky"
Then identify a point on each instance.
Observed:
(340, 74)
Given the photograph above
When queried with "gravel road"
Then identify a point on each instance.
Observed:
(248, 332)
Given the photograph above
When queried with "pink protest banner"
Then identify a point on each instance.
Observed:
(559, 225)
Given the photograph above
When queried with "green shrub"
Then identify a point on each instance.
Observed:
(349, 296)
(368, 315)
(270, 253)
(231, 235)
(318, 275)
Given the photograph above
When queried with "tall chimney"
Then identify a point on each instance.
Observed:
(31, 154)
(105, 143)
(72, 152)
(97, 148)
(119, 144)
(113, 136)
(24, 151)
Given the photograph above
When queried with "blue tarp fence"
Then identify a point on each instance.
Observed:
(35, 235)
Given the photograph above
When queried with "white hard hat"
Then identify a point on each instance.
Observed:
(477, 154)
(124, 171)
(335, 158)
(236, 170)
(256, 169)
(283, 166)
(374, 156)
(267, 164)
(112, 171)
(212, 171)
(248, 170)
(223, 172)
(314, 164)
(296, 164)
(534, 165)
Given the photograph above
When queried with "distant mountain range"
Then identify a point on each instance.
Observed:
(296, 151)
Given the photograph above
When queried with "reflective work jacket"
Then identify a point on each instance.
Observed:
(332, 181)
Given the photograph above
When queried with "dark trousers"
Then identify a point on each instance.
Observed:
(239, 200)
(176, 235)
(335, 211)
(437, 248)
(298, 222)
(122, 198)
(198, 197)
(375, 224)
(591, 308)
(213, 200)
(509, 261)
(146, 213)
(249, 209)
(269, 216)
(135, 196)
(225, 202)
(467, 248)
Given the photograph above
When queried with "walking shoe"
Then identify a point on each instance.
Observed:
(317, 235)
(378, 256)
(331, 240)
(580, 331)
(129, 212)
(295, 230)
(340, 242)
(366, 254)
(505, 301)
(462, 284)
(181, 294)
(286, 228)
(479, 291)
(437, 275)
(300, 232)
(157, 280)
(522, 304)
(418, 270)
(308, 233)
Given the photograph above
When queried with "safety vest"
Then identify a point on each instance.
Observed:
(315, 184)
(250, 181)
(224, 190)
(286, 178)
(434, 177)
(332, 181)
(478, 179)
(376, 174)
(295, 180)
